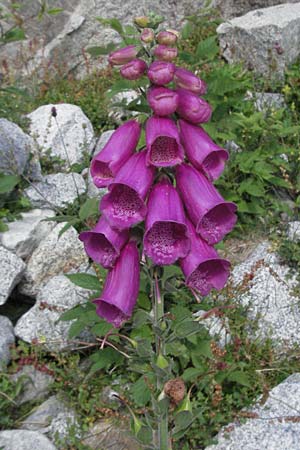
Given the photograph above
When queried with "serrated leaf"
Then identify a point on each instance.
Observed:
(73, 313)
(140, 392)
(191, 373)
(100, 329)
(182, 421)
(100, 51)
(186, 328)
(252, 187)
(207, 49)
(89, 208)
(239, 377)
(104, 359)
(85, 281)
(76, 328)
(115, 24)
(8, 183)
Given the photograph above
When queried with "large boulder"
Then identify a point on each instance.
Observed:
(35, 384)
(265, 40)
(24, 440)
(52, 38)
(12, 269)
(56, 254)
(273, 425)
(235, 8)
(7, 338)
(68, 136)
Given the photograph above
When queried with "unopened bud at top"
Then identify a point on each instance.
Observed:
(147, 35)
(165, 53)
(166, 38)
(141, 21)
(123, 55)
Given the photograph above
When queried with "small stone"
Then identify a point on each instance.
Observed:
(7, 338)
(24, 440)
(293, 232)
(104, 435)
(217, 328)
(55, 255)
(275, 424)
(15, 149)
(265, 101)
(67, 136)
(11, 271)
(36, 384)
(53, 417)
(41, 323)
(265, 40)
(24, 235)
(56, 190)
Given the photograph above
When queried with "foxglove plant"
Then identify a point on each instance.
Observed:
(161, 207)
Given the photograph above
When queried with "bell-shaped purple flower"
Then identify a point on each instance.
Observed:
(161, 72)
(123, 55)
(124, 206)
(103, 244)
(147, 35)
(133, 70)
(166, 38)
(115, 153)
(202, 267)
(187, 80)
(163, 101)
(165, 53)
(121, 287)
(212, 216)
(163, 143)
(202, 152)
(166, 237)
(193, 108)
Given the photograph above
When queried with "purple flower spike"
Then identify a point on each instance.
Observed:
(115, 153)
(193, 108)
(166, 238)
(124, 205)
(103, 244)
(202, 152)
(163, 143)
(121, 287)
(187, 80)
(165, 53)
(212, 216)
(161, 72)
(162, 100)
(202, 267)
(134, 69)
(123, 55)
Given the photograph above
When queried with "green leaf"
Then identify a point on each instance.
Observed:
(85, 281)
(100, 51)
(186, 328)
(100, 329)
(14, 34)
(140, 392)
(115, 24)
(104, 359)
(76, 328)
(182, 421)
(191, 373)
(203, 348)
(54, 11)
(3, 226)
(89, 208)
(207, 49)
(67, 226)
(239, 377)
(8, 183)
(186, 31)
(252, 187)
(74, 313)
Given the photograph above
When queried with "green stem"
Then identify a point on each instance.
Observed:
(163, 432)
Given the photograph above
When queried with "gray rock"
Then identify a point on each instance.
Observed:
(52, 38)
(16, 149)
(234, 8)
(269, 297)
(275, 424)
(35, 384)
(7, 337)
(11, 272)
(232, 146)
(24, 235)
(54, 255)
(265, 40)
(293, 231)
(104, 435)
(218, 328)
(41, 323)
(56, 190)
(68, 136)
(265, 101)
(53, 417)
(24, 440)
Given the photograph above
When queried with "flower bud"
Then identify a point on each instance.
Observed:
(193, 108)
(123, 55)
(162, 100)
(165, 53)
(161, 72)
(134, 69)
(141, 21)
(166, 38)
(147, 35)
(187, 80)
